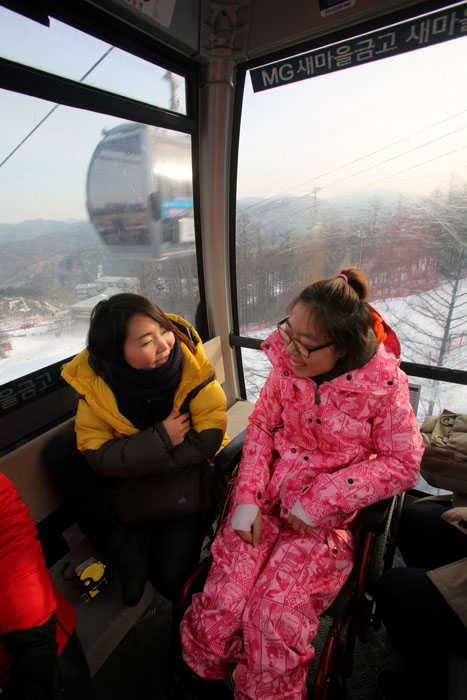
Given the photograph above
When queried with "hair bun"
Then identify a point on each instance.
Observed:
(357, 280)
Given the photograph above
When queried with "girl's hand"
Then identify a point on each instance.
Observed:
(177, 425)
(456, 517)
(297, 524)
(255, 535)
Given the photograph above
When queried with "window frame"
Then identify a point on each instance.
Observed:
(40, 415)
(237, 341)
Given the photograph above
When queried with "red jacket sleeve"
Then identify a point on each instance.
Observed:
(26, 593)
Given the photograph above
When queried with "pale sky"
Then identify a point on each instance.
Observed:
(290, 135)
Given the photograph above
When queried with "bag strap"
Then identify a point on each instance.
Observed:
(194, 392)
(186, 331)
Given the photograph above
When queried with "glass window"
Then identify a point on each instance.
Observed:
(71, 54)
(364, 166)
(91, 206)
(256, 369)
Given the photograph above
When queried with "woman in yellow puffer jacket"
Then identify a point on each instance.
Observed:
(151, 417)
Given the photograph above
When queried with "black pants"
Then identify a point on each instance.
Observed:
(174, 551)
(74, 677)
(172, 546)
(420, 624)
(69, 677)
(426, 540)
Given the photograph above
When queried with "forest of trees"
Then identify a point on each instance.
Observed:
(433, 326)
(401, 247)
(413, 252)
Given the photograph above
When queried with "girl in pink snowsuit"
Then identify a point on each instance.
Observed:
(332, 432)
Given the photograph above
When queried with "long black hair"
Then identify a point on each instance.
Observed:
(109, 321)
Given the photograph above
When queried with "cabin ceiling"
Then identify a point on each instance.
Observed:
(246, 29)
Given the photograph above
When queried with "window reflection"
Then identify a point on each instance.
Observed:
(92, 206)
(139, 189)
(79, 56)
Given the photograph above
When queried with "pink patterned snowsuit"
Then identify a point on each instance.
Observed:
(337, 448)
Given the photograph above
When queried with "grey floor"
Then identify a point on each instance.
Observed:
(138, 668)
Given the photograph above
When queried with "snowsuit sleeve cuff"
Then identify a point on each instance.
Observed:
(244, 516)
(297, 510)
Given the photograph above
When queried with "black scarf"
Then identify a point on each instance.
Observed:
(144, 396)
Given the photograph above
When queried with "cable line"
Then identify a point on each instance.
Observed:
(418, 165)
(398, 155)
(383, 148)
(51, 111)
(368, 155)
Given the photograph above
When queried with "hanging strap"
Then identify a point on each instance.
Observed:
(193, 393)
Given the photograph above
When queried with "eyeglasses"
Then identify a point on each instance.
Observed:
(284, 327)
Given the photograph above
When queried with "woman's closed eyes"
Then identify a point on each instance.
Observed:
(163, 332)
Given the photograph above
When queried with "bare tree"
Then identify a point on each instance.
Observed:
(432, 324)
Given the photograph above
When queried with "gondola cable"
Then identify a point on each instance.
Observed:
(51, 111)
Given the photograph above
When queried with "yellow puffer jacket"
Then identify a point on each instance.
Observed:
(98, 416)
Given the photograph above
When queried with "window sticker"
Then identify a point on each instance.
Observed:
(330, 7)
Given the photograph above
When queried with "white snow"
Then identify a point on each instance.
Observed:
(31, 352)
